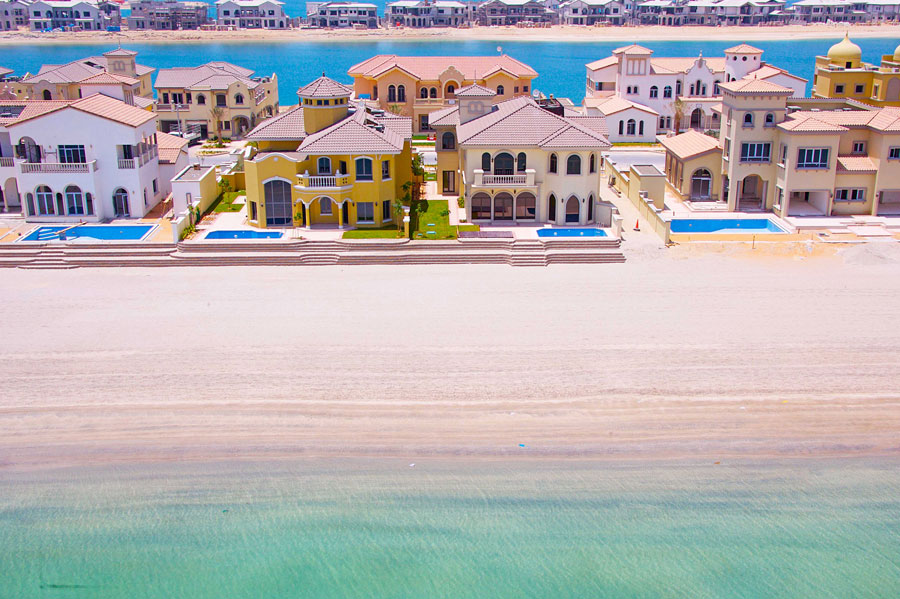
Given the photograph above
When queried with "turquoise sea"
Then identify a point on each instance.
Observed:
(454, 528)
(560, 65)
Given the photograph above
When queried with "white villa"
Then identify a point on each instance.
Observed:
(252, 14)
(667, 84)
(89, 16)
(91, 159)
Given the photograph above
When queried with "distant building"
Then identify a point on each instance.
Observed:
(513, 12)
(73, 14)
(429, 13)
(13, 14)
(842, 74)
(252, 14)
(167, 15)
(823, 11)
(217, 98)
(595, 12)
(342, 14)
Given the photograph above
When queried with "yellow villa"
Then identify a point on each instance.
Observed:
(328, 161)
(416, 86)
(843, 74)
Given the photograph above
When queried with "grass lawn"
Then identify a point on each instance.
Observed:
(386, 232)
(225, 202)
(433, 216)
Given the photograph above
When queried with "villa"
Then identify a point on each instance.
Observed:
(519, 162)
(342, 14)
(74, 14)
(91, 159)
(842, 74)
(75, 79)
(429, 13)
(685, 89)
(13, 14)
(251, 14)
(217, 98)
(774, 156)
(514, 12)
(416, 86)
(167, 15)
(594, 12)
(328, 161)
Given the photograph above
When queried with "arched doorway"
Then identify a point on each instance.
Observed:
(751, 191)
(701, 184)
(526, 206)
(277, 194)
(47, 95)
(239, 126)
(551, 208)
(481, 206)
(120, 203)
(11, 201)
(503, 206)
(29, 150)
(504, 164)
(450, 89)
(573, 213)
(697, 118)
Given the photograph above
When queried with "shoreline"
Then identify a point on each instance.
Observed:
(558, 34)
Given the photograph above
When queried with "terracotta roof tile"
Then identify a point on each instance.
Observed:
(673, 64)
(744, 49)
(113, 109)
(324, 87)
(596, 124)
(24, 110)
(603, 63)
(105, 78)
(634, 50)
(810, 125)
(755, 86)
(170, 147)
(475, 91)
(616, 104)
(444, 116)
(855, 164)
(353, 135)
(284, 126)
(429, 68)
(212, 75)
(689, 144)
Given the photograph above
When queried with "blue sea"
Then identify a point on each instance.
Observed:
(560, 65)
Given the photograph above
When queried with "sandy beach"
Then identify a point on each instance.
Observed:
(689, 354)
(550, 34)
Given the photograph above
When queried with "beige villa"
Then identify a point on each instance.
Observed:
(217, 98)
(416, 86)
(774, 156)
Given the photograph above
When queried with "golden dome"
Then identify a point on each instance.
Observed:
(897, 54)
(845, 51)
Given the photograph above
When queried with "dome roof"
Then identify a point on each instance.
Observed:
(845, 51)
(897, 54)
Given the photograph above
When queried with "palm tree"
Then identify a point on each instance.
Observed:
(216, 112)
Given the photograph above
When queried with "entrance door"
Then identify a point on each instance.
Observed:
(572, 214)
(345, 211)
(701, 182)
(697, 119)
(120, 203)
(503, 206)
(449, 182)
(551, 212)
(278, 203)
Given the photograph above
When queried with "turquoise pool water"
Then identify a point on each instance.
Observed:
(467, 529)
(725, 225)
(95, 232)
(572, 232)
(244, 235)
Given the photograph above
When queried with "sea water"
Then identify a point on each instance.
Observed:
(560, 65)
(460, 528)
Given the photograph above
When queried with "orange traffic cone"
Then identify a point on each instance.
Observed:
(637, 224)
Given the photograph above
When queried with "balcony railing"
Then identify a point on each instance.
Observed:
(126, 163)
(58, 167)
(6, 161)
(429, 101)
(483, 179)
(166, 107)
(307, 181)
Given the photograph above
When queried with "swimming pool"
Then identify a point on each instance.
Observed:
(244, 235)
(724, 225)
(571, 233)
(95, 232)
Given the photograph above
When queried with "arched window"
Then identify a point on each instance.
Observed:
(486, 162)
(640, 127)
(44, 200)
(89, 203)
(521, 162)
(451, 89)
(392, 93)
(423, 93)
(401, 93)
(277, 194)
(433, 92)
(716, 91)
(654, 91)
(621, 127)
(120, 203)
(29, 203)
(325, 206)
(503, 164)
(323, 165)
(526, 206)
(770, 119)
(667, 91)
(748, 119)
(630, 128)
(201, 99)
(74, 200)
(500, 90)
(363, 169)
(701, 184)
(238, 98)
(481, 206)
(551, 208)
(47, 95)
(591, 208)
(678, 88)
(448, 142)
(553, 163)
(593, 164)
(573, 165)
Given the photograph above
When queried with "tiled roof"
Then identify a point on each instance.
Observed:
(689, 144)
(324, 87)
(77, 70)
(444, 117)
(744, 49)
(353, 135)
(522, 122)
(755, 86)
(429, 68)
(170, 147)
(24, 110)
(616, 104)
(109, 79)
(885, 119)
(475, 91)
(212, 75)
(596, 124)
(4, 71)
(142, 102)
(96, 104)
(284, 126)
(120, 52)
(810, 125)
(603, 63)
(855, 164)
(633, 50)
(674, 64)
(767, 71)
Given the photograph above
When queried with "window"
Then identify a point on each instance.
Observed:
(755, 152)
(748, 119)
(486, 162)
(423, 122)
(667, 91)
(859, 147)
(392, 93)
(423, 93)
(365, 212)
(448, 179)
(630, 129)
(238, 98)
(71, 154)
(74, 204)
(363, 169)
(662, 122)
(770, 119)
(573, 165)
(593, 164)
(401, 93)
(155, 186)
(894, 153)
(500, 90)
(521, 162)
(451, 89)
(654, 92)
(553, 163)
(220, 100)
(433, 92)
(850, 195)
(201, 99)
(716, 91)
(448, 141)
(385, 169)
(324, 165)
(640, 127)
(325, 205)
(386, 210)
(783, 153)
(860, 89)
(812, 158)
(89, 203)
(44, 200)
(839, 89)
(481, 206)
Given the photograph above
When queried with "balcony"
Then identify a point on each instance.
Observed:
(433, 102)
(6, 161)
(126, 163)
(57, 167)
(483, 179)
(169, 107)
(307, 181)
